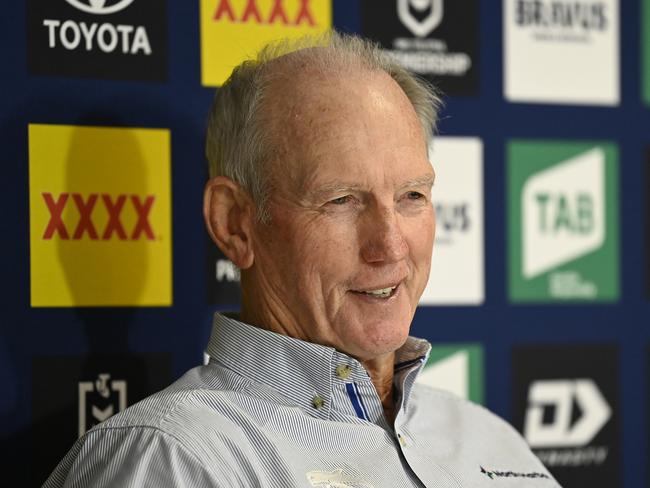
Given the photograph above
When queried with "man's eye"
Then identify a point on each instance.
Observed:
(341, 200)
(414, 195)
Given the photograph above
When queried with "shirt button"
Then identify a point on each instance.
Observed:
(402, 441)
(317, 402)
(343, 371)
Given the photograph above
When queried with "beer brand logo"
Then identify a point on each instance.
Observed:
(233, 30)
(100, 211)
(424, 26)
(99, 7)
(99, 400)
(85, 225)
(278, 13)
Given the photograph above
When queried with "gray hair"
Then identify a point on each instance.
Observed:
(238, 139)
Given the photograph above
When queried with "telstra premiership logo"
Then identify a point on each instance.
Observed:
(420, 26)
(85, 224)
(99, 7)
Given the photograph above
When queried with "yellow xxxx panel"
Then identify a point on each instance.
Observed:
(234, 30)
(100, 216)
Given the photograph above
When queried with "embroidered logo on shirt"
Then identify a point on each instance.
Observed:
(512, 474)
(335, 479)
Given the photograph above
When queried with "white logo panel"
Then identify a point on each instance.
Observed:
(563, 51)
(457, 265)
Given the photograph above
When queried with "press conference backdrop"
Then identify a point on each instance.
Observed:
(538, 299)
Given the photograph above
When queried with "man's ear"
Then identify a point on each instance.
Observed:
(228, 211)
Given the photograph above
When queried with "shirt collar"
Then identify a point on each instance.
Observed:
(300, 371)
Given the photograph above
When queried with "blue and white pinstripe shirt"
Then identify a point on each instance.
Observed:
(273, 411)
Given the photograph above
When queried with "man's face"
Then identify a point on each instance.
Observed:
(347, 253)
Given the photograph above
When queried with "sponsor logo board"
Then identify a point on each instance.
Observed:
(100, 216)
(113, 39)
(457, 368)
(457, 266)
(437, 39)
(565, 405)
(70, 395)
(563, 221)
(561, 51)
(234, 30)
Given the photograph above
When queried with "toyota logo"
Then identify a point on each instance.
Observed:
(99, 7)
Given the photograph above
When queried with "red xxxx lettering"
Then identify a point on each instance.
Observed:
(85, 225)
(278, 13)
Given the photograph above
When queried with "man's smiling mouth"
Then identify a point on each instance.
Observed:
(379, 292)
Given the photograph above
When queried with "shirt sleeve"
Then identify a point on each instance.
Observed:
(135, 457)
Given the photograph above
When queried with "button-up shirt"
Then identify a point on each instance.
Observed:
(273, 411)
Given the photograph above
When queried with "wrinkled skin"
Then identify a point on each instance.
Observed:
(350, 211)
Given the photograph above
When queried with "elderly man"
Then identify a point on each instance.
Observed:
(320, 192)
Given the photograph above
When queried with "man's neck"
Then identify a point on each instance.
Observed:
(381, 371)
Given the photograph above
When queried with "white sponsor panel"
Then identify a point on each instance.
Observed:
(562, 51)
(563, 214)
(457, 266)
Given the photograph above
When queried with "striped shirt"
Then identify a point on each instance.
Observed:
(273, 411)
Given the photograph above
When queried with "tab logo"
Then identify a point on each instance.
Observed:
(563, 221)
(234, 30)
(100, 228)
(118, 39)
(564, 212)
(456, 368)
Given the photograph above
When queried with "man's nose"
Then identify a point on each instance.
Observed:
(383, 239)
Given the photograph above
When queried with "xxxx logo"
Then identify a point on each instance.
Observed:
(233, 30)
(86, 226)
(277, 14)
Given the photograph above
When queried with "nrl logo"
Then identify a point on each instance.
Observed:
(100, 400)
(420, 27)
(99, 7)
